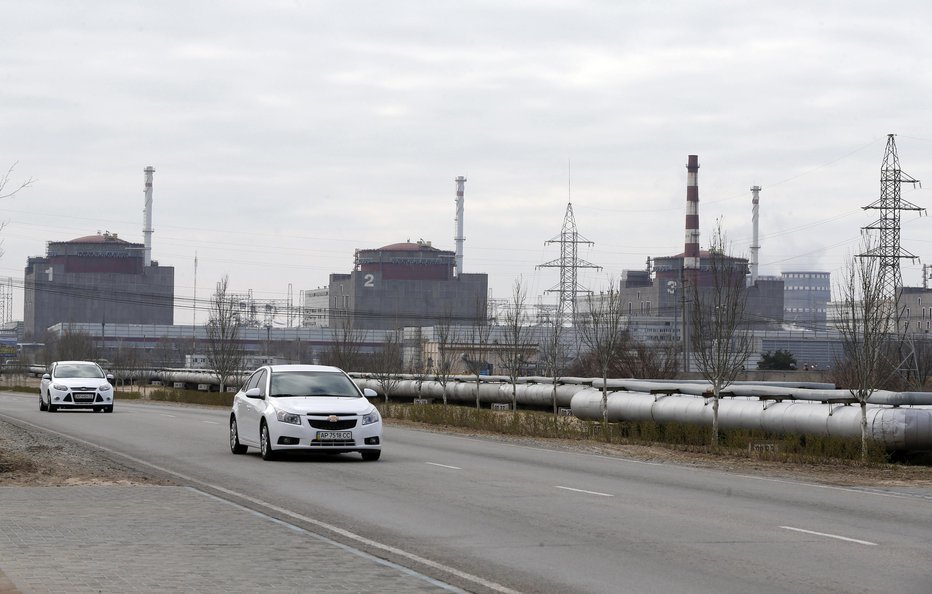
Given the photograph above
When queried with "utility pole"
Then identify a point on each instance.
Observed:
(888, 250)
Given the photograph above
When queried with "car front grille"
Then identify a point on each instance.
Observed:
(334, 443)
(326, 424)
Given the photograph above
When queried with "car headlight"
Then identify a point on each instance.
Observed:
(370, 418)
(60, 387)
(104, 388)
(287, 417)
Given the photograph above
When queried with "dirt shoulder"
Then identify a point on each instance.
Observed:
(30, 457)
(33, 458)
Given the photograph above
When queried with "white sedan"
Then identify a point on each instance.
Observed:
(76, 384)
(304, 407)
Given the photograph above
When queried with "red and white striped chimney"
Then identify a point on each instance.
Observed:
(691, 252)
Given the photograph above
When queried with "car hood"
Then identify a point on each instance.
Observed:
(80, 382)
(323, 405)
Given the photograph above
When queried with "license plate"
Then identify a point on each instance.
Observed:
(83, 397)
(323, 435)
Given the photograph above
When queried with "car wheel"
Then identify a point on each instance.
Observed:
(108, 409)
(42, 406)
(51, 407)
(265, 443)
(235, 446)
(371, 455)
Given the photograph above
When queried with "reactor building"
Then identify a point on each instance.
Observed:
(665, 290)
(99, 279)
(407, 284)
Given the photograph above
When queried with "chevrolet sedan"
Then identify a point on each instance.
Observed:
(311, 408)
(76, 384)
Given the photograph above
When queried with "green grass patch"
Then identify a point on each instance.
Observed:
(19, 388)
(193, 397)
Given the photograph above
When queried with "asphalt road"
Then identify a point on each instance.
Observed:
(488, 516)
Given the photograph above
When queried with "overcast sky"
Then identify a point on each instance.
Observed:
(287, 134)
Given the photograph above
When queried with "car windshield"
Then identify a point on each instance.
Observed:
(312, 383)
(78, 371)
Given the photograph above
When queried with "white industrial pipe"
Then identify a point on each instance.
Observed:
(896, 428)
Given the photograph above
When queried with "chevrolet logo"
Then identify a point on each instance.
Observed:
(333, 418)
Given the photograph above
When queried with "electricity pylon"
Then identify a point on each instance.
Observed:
(569, 264)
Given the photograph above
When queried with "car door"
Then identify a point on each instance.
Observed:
(251, 409)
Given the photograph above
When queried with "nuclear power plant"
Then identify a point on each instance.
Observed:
(410, 284)
(99, 279)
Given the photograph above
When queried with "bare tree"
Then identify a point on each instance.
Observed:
(553, 356)
(518, 344)
(388, 363)
(867, 319)
(604, 335)
(9, 189)
(224, 351)
(417, 366)
(71, 345)
(655, 360)
(721, 342)
(345, 349)
(476, 357)
(444, 337)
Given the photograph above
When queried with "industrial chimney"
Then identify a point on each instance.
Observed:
(755, 242)
(147, 218)
(691, 251)
(459, 239)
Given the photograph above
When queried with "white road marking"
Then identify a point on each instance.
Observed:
(583, 491)
(443, 466)
(845, 538)
(164, 415)
(211, 422)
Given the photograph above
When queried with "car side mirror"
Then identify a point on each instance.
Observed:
(46, 376)
(369, 393)
(110, 378)
(253, 393)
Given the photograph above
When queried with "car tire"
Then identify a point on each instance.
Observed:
(265, 442)
(42, 406)
(51, 407)
(235, 446)
(108, 409)
(371, 455)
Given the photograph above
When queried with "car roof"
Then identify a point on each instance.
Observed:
(324, 368)
(75, 363)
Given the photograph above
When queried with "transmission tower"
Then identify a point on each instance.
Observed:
(890, 204)
(569, 265)
(6, 300)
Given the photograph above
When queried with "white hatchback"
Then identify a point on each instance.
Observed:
(304, 407)
(76, 384)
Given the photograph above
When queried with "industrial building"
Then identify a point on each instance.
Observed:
(806, 297)
(407, 284)
(665, 289)
(99, 278)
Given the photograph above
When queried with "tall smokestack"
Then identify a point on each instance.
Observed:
(691, 252)
(147, 217)
(459, 238)
(755, 242)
